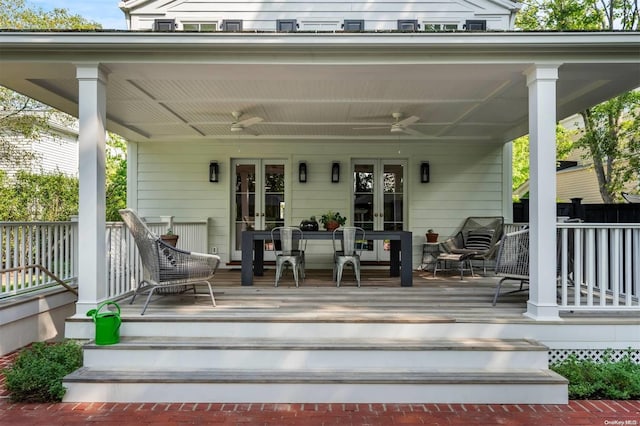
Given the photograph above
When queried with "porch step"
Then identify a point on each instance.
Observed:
(338, 354)
(268, 386)
(348, 370)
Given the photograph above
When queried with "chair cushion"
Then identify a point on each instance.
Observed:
(479, 239)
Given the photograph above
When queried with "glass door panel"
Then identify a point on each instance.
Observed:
(259, 200)
(273, 196)
(378, 201)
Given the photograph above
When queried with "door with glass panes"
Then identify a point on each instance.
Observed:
(378, 201)
(259, 199)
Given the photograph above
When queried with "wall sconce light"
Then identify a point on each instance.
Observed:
(335, 172)
(424, 172)
(214, 171)
(302, 172)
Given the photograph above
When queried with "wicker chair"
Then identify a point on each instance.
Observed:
(166, 268)
(478, 237)
(512, 262)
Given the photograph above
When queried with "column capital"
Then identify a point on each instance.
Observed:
(91, 71)
(542, 72)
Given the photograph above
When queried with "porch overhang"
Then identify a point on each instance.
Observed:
(462, 86)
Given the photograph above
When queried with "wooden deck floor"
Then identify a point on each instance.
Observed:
(380, 298)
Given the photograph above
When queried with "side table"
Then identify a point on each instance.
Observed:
(430, 253)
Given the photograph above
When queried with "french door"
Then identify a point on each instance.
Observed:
(378, 201)
(259, 198)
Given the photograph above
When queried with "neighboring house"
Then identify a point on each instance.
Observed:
(395, 127)
(56, 150)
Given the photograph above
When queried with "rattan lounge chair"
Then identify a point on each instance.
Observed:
(478, 237)
(167, 268)
(512, 262)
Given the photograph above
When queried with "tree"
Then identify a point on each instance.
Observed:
(564, 144)
(611, 129)
(21, 117)
(116, 179)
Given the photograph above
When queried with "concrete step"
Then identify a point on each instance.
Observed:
(391, 385)
(337, 354)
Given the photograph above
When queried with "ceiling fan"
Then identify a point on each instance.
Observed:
(399, 126)
(241, 125)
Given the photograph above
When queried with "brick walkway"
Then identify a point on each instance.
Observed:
(599, 413)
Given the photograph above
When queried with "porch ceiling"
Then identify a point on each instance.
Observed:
(326, 88)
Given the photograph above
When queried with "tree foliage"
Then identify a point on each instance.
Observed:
(611, 130)
(52, 196)
(564, 145)
(19, 15)
(22, 118)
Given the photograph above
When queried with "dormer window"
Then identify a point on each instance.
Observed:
(476, 25)
(200, 26)
(408, 25)
(431, 26)
(164, 25)
(286, 25)
(232, 25)
(353, 25)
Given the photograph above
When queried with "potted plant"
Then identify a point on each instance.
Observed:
(169, 237)
(332, 220)
(432, 237)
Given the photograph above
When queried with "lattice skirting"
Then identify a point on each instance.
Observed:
(559, 355)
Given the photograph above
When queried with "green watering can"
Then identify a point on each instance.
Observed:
(107, 324)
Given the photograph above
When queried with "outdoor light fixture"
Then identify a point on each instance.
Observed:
(214, 170)
(424, 172)
(335, 172)
(302, 172)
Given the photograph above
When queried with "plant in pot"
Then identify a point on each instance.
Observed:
(432, 236)
(169, 237)
(332, 220)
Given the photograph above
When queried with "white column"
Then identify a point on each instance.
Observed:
(92, 87)
(542, 304)
(507, 179)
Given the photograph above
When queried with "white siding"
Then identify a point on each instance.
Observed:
(378, 15)
(173, 180)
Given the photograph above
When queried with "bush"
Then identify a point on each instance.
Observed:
(601, 380)
(37, 373)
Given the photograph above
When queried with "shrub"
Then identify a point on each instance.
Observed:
(37, 373)
(601, 380)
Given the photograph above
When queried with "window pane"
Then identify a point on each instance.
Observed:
(190, 27)
(208, 27)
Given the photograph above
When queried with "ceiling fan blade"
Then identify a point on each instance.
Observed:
(412, 131)
(409, 120)
(249, 121)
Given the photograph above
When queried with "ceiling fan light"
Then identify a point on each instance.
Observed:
(397, 129)
(237, 128)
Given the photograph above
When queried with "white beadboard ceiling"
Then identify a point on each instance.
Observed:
(316, 93)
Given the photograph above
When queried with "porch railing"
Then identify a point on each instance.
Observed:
(53, 246)
(49, 245)
(599, 266)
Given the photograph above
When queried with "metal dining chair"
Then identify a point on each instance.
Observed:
(289, 246)
(348, 243)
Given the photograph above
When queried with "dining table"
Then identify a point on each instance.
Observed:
(400, 253)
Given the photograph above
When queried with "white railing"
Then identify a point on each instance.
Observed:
(599, 266)
(29, 249)
(53, 246)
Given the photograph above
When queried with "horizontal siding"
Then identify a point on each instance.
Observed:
(378, 15)
(465, 181)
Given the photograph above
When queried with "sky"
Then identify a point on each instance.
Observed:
(105, 12)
